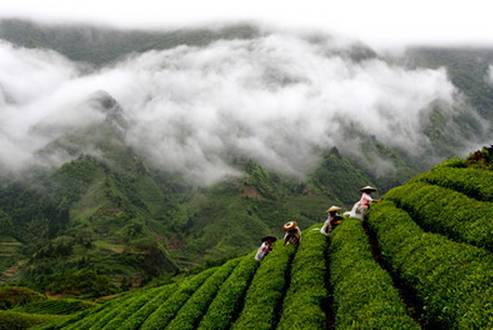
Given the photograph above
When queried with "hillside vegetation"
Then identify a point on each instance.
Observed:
(394, 271)
(106, 223)
(100, 225)
(92, 228)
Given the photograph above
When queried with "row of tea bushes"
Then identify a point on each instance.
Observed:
(190, 314)
(473, 182)
(304, 302)
(167, 311)
(364, 295)
(227, 303)
(447, 212)
(452, 280)
(266, 291)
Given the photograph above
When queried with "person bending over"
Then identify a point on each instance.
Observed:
(265, 247)
(292, 233)
(333, 219)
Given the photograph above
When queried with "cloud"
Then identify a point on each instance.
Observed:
(278, 99)
(28, 81)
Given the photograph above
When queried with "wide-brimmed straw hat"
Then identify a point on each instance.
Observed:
(289, 225)
(269, 238)
(334, 208)
(368, 188)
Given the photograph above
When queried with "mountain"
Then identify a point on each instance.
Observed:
(102, 217)
(422, 260)
(101, 45)
(99, 225)
(467, 67)
(89, 228)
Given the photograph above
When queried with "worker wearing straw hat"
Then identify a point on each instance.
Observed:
(366, 199)
(333, 219)
(292, 233)
(265, 247)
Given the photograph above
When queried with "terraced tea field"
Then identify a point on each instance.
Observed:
(421, 260)
(9, 247)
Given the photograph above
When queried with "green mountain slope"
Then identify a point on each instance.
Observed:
(99, 225)
(109, 222)
(96, 226)
(86, 228)
(395, 271)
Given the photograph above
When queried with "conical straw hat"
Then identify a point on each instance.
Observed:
(289, 225)
(334, 208)
(368, 188)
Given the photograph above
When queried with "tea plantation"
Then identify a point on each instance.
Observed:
(422, 259)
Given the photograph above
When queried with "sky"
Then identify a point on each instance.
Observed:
(383, 23)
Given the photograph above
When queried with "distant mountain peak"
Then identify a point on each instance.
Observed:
(104, 102)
